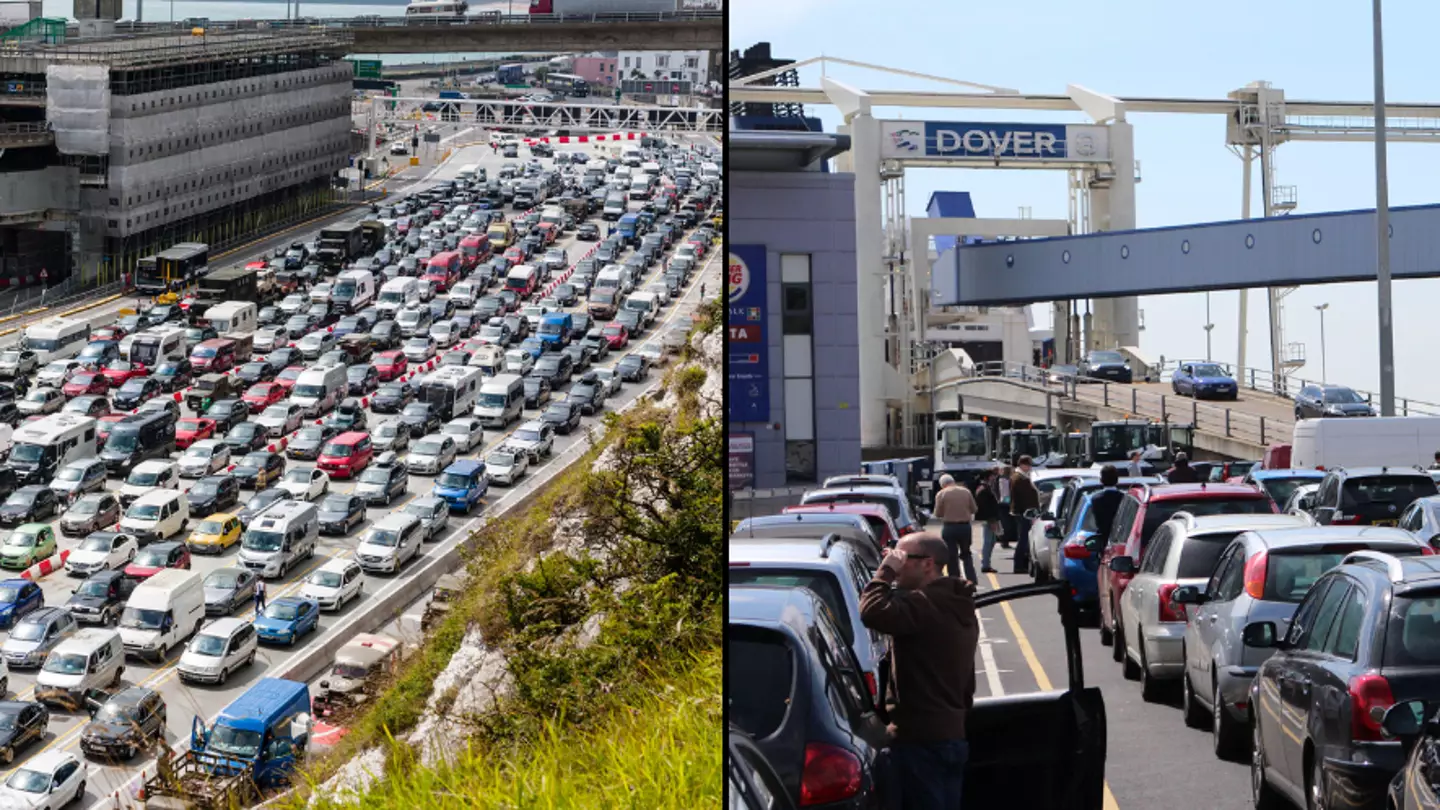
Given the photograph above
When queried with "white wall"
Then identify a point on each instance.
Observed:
(673, 65)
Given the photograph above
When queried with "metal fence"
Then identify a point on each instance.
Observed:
(1265, 382)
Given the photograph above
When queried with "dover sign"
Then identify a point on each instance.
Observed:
(1025, 143)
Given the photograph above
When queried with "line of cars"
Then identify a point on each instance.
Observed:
(1301, 637)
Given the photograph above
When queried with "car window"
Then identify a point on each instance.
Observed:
(1124, 520)
(845, 684)
(1154, 560)
(1200, 554)
(1227, 559)
(1233, 582)
(822, 583)
(760, 679)
(1397, 491)
(1314, 636)
(1346, 638)
(1305, 614)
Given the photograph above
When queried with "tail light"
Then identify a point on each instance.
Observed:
(1255, 575)
(1370, 696)
(1076, 551)
(1169, 611)
(1342, 519)
(831, 774)
(874, 688)
(1426, 550)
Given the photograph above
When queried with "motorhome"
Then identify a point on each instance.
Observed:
(154, 346)
(239, 317)
(42, 447)
(451, 390)
(55, 339)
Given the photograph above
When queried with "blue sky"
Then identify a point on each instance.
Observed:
(1317, 50)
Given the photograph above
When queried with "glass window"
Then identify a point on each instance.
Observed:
(1346, 638)
(822, 583)
(1315, 635)
(1305, 614)
(1233, 581)
(1413, 632)
(1200, 554)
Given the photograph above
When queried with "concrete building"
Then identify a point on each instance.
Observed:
(794, 387)
(685, 66)
(154, 140)
(599, 69)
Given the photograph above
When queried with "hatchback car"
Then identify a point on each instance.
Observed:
(88, 513)
(1330, 401)
(123, 725)
(227, 589)
(334, 584)
(32, 638)
(286, 619)
(219, 649)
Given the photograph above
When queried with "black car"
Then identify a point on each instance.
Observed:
(1362, 639)
(254, 466)
(382, 485)
(1108, 366)
(1369, 496)
(135, 392)
(341, 513)
(125, 724)
(362, 378)
(101, 598)
(259, 503)
(596, 341)
(537, 391)
(174, 375)
(29, 504)
(228, 413)
(213, 493)
(565, 295)
(580, 323)
(488, 307)
(284, 357)
(563, 415)
(256, 371)
(245, 437)
(270, 316)
(1329, 401)
(421, 418)
(440, 309)
(307, 443)
(385, 336)
(580, 356)
(555, 367)
(588, 232)
(392, 397)
(22, 722)
(633, 368)
(588, 393)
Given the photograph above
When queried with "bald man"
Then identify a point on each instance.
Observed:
(931, 621)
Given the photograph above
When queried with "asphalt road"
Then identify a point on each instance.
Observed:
(186, 701)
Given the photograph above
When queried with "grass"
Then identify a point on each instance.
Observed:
(656, 747)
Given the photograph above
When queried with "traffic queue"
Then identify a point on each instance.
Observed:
(408, 378)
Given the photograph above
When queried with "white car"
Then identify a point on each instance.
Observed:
(102, 551)
(533, 314)
(305, 485)
(334, 584)
(653, 351)
(204, 457)
(391, 436)
(419, 349)
(49, 780)
(506, 465)
(270, 338)
(293, 303)
(536, 438)
(610, 379)
(55, 373)
(281, 419)
(467, 433)
(434, 514)
(147, 476)
(315, 344)
(221, 647)
(444, 333)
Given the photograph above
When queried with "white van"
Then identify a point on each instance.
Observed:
(709, 173)
(651, 168)
(354, 290)
(238, 317)
(55, 339)
(612, 277)
(502, 398)
(554, 215)
(386, 546)
(163, 611)
(614, 207)
(147, 476)
(153, 347)
(318, 390)
(397, 294)
(1381, 441)
(632, 156)
(221, 647)
(640, 187)
(280, 537)
(157, 515)
(644, 303)
(93, 658)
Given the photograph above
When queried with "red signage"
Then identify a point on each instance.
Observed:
(745, 333)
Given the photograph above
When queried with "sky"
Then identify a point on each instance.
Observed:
(1316, 50)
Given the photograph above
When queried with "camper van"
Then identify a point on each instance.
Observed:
(279, 538)
(501, 401)
(239, 317)
(55, 339)
(451, 390)
(42, 447)
(153, 347)
(319, 389)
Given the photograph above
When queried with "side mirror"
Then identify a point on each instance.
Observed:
(1122, 565)
(1189, 595)
(1404, 719)
(1046, 516)
(1032, 514)
(1261, 635)
(1052, 531)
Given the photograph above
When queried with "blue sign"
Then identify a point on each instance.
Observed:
(748, 354)
(984, 141)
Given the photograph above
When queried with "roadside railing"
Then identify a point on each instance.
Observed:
(400, 21)
(1266, 382)
(1232, 423)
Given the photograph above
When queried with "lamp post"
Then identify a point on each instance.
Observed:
(1208, 327)
(1321, 309)
(1382, 229)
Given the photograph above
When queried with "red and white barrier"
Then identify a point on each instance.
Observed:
(46, 567)
(613, 136)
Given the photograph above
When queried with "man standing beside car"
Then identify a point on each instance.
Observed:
(934, 632)
(1024, 497)
(955, 508)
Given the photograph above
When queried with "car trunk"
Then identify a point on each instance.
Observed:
(1412, 646)
(1378, 500)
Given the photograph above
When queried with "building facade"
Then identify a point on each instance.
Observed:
(684, 66)
(794, 387)
(598, 69)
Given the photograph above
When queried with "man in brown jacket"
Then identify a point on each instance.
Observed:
(1023, 497)
(955, 508)
(933, 631)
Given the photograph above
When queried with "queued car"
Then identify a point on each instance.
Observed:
(1204, 381)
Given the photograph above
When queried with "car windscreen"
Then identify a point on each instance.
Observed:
(1341, 396)
(760, 679)
(1280, 489)
(822, 583)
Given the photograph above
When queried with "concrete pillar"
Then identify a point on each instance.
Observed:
(1124, 328)
(870, 276)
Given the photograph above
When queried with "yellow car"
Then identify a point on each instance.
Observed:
(214, 534)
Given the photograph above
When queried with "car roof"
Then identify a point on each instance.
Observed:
(1352, 472)
(1166, 492)
(801, 551)
(224, 626)
(464, 466)
(1280, 538)
(338, 564)
(48, 761)
(1206, 524)
(1260, 475)
(153, 465)
(1044, 473)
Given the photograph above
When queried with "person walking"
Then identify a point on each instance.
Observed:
(259, 596)
(933, 633)
(1023, 498)
(1134, 468)
(1182, 472)
(1105, 503)
(987, 512)
(955, 507)
(1007, 528)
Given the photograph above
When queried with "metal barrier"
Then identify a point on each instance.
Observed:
(400, 21)
(1231, 423)
(1265, 382)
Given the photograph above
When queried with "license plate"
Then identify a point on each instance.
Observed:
(1385, 523)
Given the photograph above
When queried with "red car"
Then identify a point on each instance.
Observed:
(103, 426)
(1141, 513)
(119, 372)
(514, 255)
(262, 395)
(156, 557)
(286, 378)
(700, 247)
(390, 365)
(189, 431)
(86, 382)
(617, 335)
(107, 333)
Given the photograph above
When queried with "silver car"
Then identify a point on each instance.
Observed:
(1260, 576)
(1051, 486)
(1422, 519)
(34, 636)
(433, 512)
(431, 454)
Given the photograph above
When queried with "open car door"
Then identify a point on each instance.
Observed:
(1044, 750)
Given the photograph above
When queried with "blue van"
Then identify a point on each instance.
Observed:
(629, 227)
(555, 328)
(266, 729)
(462, 485)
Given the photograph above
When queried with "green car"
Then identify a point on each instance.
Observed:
(27, 545)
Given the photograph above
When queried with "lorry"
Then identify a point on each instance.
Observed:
(340, 243)
(256, 743)
(229, 284)
(962, 450)
(1112, 441)
(364, 660)
(374, 234)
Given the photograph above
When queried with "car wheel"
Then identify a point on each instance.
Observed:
(1189, 707)
(1107, 638)
(1262, 796)
(80, 792)
(1128, 668)
(224, 676)
(7, 755)
(1149, 687)
(1117, 639)
(1224, 730)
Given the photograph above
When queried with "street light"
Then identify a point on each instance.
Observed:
(1382, 229)
(1208, 327)
(1321, 309)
